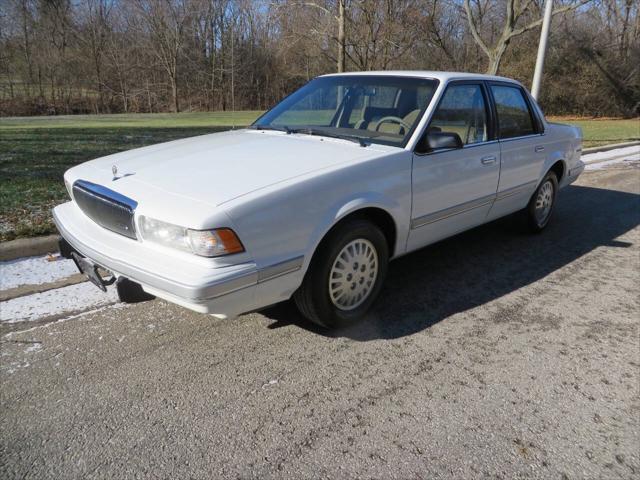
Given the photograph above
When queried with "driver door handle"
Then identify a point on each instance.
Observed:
(488, 160)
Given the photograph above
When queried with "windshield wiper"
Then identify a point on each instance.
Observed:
(313, 131)
(269, 127)
(323, 133)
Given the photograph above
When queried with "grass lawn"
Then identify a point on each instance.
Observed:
(35, 152)
(604, 131)
(137, 120)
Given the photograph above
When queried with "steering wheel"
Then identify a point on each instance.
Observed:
(391, 119)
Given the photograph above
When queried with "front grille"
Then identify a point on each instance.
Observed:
(107, 208)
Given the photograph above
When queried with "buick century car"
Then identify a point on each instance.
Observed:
(314, 199)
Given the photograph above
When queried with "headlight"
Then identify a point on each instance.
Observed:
(206, 243)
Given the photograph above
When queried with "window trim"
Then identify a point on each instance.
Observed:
(536, 123)
(534, 111)
(492, 133)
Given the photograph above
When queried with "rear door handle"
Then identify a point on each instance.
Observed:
(488, 160)
(539, 149)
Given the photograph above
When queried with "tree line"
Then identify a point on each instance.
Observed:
(111, 56)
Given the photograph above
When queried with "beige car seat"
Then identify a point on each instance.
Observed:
(393, 127)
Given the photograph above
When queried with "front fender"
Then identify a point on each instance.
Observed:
(346, 206)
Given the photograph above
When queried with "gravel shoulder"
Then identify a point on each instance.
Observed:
(492, 354)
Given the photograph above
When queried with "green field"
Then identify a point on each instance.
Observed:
(604, 131)
(138, 120)
(35, 152)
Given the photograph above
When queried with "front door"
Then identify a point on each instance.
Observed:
(454, 189)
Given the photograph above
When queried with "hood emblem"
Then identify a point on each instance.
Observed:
(114, 170)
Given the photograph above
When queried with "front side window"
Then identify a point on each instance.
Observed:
(372, 109)
(514, 116)
(462, 111)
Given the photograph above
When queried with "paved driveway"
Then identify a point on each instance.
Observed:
(493, 354)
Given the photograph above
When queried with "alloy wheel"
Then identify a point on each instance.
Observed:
(353, 274)
(544, 202)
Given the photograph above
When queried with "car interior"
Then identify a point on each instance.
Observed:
(396, 119)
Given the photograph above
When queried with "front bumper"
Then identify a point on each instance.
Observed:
(193, 283)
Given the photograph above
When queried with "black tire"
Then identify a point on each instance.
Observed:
(131, 292)
(534, 222)
(313, 298)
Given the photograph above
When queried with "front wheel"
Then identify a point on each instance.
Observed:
(542, 203)
(345, 276)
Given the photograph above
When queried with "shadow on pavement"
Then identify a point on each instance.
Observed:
(484, 264)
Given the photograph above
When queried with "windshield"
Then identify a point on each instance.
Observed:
(367, 109)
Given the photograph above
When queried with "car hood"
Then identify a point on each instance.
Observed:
(219, 167)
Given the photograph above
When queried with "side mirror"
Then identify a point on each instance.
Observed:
(442, 140)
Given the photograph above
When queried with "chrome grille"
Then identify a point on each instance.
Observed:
(107, 208)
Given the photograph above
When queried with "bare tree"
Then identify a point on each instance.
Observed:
(92, 33)
(382, 32)
(338, 14)
(165, 21)
(614, 49)
(516, 13)
(82, 56)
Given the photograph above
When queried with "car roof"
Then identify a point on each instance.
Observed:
(441, 76)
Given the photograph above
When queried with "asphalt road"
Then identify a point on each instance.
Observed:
(494, 354)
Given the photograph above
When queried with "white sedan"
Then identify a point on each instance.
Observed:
(316, 197)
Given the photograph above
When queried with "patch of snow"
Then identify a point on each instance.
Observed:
(611, 154)
(34, 271)
(602, 160)
(73, 298)
(610, 163)
(35, 347)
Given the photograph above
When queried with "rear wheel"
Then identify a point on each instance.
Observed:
(542, 203)
(345, 275)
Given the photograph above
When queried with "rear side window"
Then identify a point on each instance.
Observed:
(514, 117)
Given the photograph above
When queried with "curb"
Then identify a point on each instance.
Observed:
(28, 247)
(24, 290)
(606, 148)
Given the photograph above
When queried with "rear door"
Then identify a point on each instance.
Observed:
(522, 148)
(453, 189)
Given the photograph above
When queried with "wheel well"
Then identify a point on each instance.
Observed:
(379, 217)
(558, 169)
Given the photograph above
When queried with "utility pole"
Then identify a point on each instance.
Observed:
(542, 49)
(233, 86)
(341, 48)
(341, 37)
